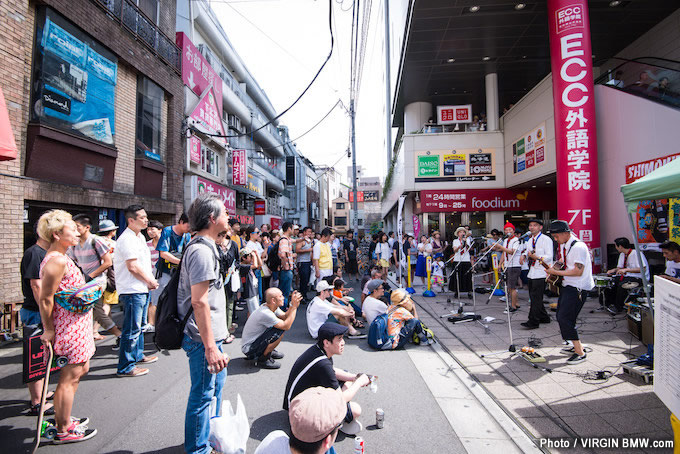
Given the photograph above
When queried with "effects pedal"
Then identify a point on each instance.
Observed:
(531, 355)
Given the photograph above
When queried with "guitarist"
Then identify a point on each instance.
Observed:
(578, 280)
(510, 261)
(539, 254)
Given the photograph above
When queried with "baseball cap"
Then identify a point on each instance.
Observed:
(315, 413)
(331, 329)
(296, 227)
(107, 225)
(245, 251)
(374, 284)
(322, 285)
(559, 227)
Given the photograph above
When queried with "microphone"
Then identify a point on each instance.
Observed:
(525, 237)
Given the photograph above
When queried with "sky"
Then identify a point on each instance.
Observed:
(283, 43)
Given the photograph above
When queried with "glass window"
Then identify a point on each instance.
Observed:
(74, 80)
(520, 219)
(210, 161)
(478, 223)
(149, 103)
(341, 220)
(149, 8)
(452, 221)
(432, 223)
(340, 206)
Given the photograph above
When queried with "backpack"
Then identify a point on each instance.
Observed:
(273, 260)
(169, 327)
(377, 333)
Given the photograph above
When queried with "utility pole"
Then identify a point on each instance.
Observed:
(354, 171)
(388, 86)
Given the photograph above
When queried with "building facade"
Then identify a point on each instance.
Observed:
(94, 95)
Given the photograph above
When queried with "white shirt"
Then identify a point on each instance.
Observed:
(130, 246)
(672, 269)
(255, 246)
(276, 442)
(318, 311)
(578, 253)
(632, 262)
(510, 259)
(383, 251)
(438, 268)
(542, 246)
(373, 307)
(465, 257)
(391, 241)
(426, 249)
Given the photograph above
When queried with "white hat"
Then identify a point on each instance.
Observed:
(322, 285)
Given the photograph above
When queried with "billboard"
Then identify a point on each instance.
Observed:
(455, 165)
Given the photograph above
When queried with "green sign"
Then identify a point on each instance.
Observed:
(520, 147)
(428, 166)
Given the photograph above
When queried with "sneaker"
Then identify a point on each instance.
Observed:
(267, 363)
(511, 310)
(528, 325)
(575, 359)
(351, 428)
(148, 328)
(148, 359)
(116, 346)
(570, 348)
(502, 298)
(74, 434)
(78, 421)
(240, 308)
(357, 335)
(136, 372)
(277, 355)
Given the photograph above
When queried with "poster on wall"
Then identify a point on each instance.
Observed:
(652, 223)
(455, 165)
(206, 117)
(77, 83)
(529, 150)
(674, 220)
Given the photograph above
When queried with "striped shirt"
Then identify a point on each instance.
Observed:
(86, 256)
(285, 253)
(154, 253)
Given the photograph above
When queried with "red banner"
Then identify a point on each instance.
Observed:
(575, 132)
(260, 207)
(194, 144)
(640, 169)
(239, 167)
(435, 201)
(275, 223)
(197, 74)
(360, 196)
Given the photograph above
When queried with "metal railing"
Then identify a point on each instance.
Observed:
(657, 79)
(144, 30)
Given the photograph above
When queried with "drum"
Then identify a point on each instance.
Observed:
(630, 285)
(603, 281)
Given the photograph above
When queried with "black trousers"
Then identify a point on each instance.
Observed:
(569, 305)
(617, 295)
(462, 275)
(537, 312)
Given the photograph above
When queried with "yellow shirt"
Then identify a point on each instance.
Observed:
(323, 255)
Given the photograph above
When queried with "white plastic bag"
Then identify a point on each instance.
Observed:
(229, 433)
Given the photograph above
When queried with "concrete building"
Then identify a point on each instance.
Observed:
(302, 186)
(94, 94)
(341, 220)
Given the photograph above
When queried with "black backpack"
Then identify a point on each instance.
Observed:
(169, 327)
(273, 260)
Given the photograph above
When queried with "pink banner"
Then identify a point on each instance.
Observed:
(194, 144)
(207, 118)
(197, 74)
(239, 165)
(575, 131)
(416, 227)
(228, 195)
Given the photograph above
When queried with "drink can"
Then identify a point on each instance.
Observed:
(358, 445)
(380, 418)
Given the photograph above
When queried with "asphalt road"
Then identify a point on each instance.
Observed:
(146, 414)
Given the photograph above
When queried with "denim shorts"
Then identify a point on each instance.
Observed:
(29, 318)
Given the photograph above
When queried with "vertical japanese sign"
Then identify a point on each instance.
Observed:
(194, 144)
(239, 163)
(197, 74)
(575, 138)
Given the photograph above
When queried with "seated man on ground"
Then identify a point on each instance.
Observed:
(320, 310)
(315, 416)
(265, 328)
(402, 320)
(315, 368)
(373, 305)
(376, 273)
(340, 296)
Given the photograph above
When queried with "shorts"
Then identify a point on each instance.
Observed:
(513, 273)
(260, 344)
(438, 280)
(156, 293)
(29, 317)
(384, 263)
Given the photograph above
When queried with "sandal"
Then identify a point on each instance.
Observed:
(34, 410)
(230, 338)
(98, 337)
(358, 324)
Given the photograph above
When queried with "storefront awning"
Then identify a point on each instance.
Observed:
(8, 148)
(662, 183)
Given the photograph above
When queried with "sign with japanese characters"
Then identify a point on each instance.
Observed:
(207, 119)
(239, 166)
(201, 185)
(640, 169)
(575, 130)
(437, 201)
(455, 165)
(360, 196)
(371, 196)
(197, 74)
(529, 150)
(194, 145)
(448, 115)
(260, 207)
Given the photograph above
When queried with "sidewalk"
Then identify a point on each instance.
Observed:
(561, 403)
(431, 405)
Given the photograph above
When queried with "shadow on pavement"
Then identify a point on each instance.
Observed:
(170, 450)
(262, 426)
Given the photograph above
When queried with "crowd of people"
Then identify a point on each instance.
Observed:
(267, 273)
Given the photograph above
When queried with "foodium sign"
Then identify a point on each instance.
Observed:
(487, 200)
(575, 138)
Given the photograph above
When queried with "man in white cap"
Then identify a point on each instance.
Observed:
(373, 304)
(321, 310)
(315, 416)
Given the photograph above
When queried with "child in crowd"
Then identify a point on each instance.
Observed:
(438, 273)
(250, 261)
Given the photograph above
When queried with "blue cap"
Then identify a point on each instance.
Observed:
(107, 225)
(330, 329)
